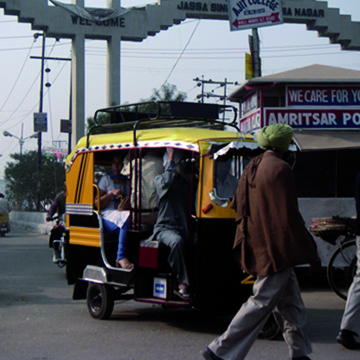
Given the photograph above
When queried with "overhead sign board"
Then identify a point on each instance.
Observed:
(323, 96)
(250, 122)
(249, 73)
(250, 103)
(311, 118)
(246, 14)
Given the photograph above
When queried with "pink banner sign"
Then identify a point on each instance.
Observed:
(250, 122)
(246, 14)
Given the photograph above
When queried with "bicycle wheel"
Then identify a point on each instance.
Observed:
(342, 268)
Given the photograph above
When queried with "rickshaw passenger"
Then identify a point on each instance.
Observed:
(111, 187)
(172, 225)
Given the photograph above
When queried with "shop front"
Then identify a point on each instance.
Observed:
(322, 105)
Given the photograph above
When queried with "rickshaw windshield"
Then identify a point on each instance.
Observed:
(226, 174)
(229, 163)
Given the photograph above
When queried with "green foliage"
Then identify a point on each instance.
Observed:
(167, 92)
(102, 119)
(24, 183)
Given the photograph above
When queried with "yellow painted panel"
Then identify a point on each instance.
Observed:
(205, 186)
(80, 179)
(85, 236)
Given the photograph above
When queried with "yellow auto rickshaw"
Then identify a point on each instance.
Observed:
(218, 153)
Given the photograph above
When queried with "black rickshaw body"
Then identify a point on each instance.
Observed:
(218, 285)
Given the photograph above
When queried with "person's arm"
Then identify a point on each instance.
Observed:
(52, 209)
(106, 194)
(165, 180)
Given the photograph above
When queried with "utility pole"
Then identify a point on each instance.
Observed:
(254, 44)
(201, 82)
(40, 111)
(41, 99)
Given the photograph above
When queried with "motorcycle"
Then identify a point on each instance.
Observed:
(4, 223)
(57, 242)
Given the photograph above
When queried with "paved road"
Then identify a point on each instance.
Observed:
(40, 321)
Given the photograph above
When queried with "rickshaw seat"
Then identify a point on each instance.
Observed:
(153, 254)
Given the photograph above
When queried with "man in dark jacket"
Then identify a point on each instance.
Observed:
(350, 323)
(57, 206)
(270, 239)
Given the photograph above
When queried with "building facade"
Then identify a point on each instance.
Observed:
(322, 105)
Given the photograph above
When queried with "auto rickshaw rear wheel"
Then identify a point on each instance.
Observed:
(100, 300)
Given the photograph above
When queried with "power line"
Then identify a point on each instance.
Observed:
(182, 52)
(18, 77)
(10, 117)
(221, 84)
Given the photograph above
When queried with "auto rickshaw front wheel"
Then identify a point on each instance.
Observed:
(100, 300)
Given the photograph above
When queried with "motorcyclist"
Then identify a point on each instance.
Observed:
(57, 206)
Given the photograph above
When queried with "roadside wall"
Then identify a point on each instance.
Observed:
(35, 221)
(309, 207)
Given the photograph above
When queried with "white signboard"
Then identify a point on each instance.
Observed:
(246, 14)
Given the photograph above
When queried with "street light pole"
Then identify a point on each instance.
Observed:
(21, 138)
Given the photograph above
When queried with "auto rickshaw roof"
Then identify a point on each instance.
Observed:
(194, 139)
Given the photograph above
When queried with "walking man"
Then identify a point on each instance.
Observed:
(350, 324)
(271, 238)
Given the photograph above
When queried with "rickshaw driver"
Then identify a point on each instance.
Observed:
(172, 225)
(111, 187)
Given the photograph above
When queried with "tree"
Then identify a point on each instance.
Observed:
(167, 92)
(23, 180)
(102, 119)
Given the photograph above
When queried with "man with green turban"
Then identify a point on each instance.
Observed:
(271, 238)
(275, 137)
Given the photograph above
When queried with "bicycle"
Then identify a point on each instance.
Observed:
(342, 265)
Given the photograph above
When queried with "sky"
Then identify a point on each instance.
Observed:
(196, 48)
